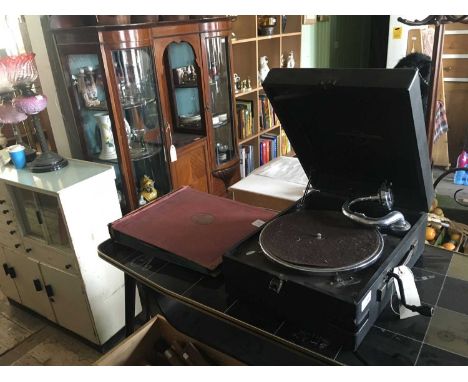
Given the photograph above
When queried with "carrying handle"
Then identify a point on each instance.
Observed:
(37, 285)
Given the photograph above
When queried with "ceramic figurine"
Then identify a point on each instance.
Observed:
(147, 190)
(249, 84)
(244, 85)
(237, 83)
(264, 69)
(291, 61)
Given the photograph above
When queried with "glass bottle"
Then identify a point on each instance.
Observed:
(460, 176)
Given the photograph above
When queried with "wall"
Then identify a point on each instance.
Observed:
(397, 47)
(36, 36)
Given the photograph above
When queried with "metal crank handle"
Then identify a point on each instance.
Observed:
(424, 310)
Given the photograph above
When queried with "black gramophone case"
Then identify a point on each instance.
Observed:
(352, 130)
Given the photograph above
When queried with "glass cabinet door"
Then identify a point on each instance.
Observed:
(185, 89)
(141, 115)
(41, 217)
(220, 98)
(28, 212)
(89, 98)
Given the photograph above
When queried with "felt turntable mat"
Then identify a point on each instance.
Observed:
(319, 239)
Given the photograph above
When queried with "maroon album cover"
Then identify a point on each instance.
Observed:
(193, 225)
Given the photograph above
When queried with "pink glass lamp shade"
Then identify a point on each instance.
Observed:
(5, 85)
(21, 69)
(31, 104)
(10, 115)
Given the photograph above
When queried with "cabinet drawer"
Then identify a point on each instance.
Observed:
(455, 67)
(11, 239)
(50, 256)
(4, 196)
(456, 44)
(6, 214)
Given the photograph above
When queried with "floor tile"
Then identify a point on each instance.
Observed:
(448, 330)
(458, 268)
(59, 349)
(454, 295)
(434, 260)
(27, 320)
(310, 339)
(414, 327)
(11, 334)
(428, 284)
(382, 348)
(431, 356)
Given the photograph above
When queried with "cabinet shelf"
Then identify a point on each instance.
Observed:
(240, 94)
(183, 86)
(247, 49)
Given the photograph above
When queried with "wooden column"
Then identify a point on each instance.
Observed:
(434, 81)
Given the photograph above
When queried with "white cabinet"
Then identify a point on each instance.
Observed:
(50, 227)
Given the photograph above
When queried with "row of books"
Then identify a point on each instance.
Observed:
(245, 118)
(285, 144)
(247, 163)
(268, 147)
(267, 117)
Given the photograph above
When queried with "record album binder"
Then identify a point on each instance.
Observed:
(189, 228)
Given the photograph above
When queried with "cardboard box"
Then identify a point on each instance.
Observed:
(141, 348)
(276, 185)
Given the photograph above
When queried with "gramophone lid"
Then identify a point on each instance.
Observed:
(353, 129)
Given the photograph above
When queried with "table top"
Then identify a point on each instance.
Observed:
(441, 278)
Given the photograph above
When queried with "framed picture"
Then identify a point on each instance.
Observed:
(245, 117)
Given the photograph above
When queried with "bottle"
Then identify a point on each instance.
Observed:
(460, 176)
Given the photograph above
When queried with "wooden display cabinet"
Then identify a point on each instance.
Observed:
(248, 46)
(154, 82)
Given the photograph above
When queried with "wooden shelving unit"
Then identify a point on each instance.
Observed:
(248, 46)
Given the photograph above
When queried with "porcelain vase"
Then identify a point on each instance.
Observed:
(107, 139)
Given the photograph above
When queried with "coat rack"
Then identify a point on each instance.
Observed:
(439, 22)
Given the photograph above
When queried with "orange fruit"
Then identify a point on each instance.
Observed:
(455, 237)
(449, 245)
(438, 211)
(430, 233)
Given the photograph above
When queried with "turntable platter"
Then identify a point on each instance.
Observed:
(320, 242)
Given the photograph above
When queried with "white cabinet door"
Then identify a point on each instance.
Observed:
(7, 276)
(29, 283)
(69, 301)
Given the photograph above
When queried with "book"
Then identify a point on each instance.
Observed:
(245, 118)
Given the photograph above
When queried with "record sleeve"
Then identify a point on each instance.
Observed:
(189, 228)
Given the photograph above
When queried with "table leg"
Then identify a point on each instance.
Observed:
(130, 290)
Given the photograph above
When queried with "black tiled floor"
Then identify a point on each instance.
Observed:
(428, 284)
(414, 327)
(455, 295)
(382, 348)
(310, 340)
(434, 260)
(431, 356)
